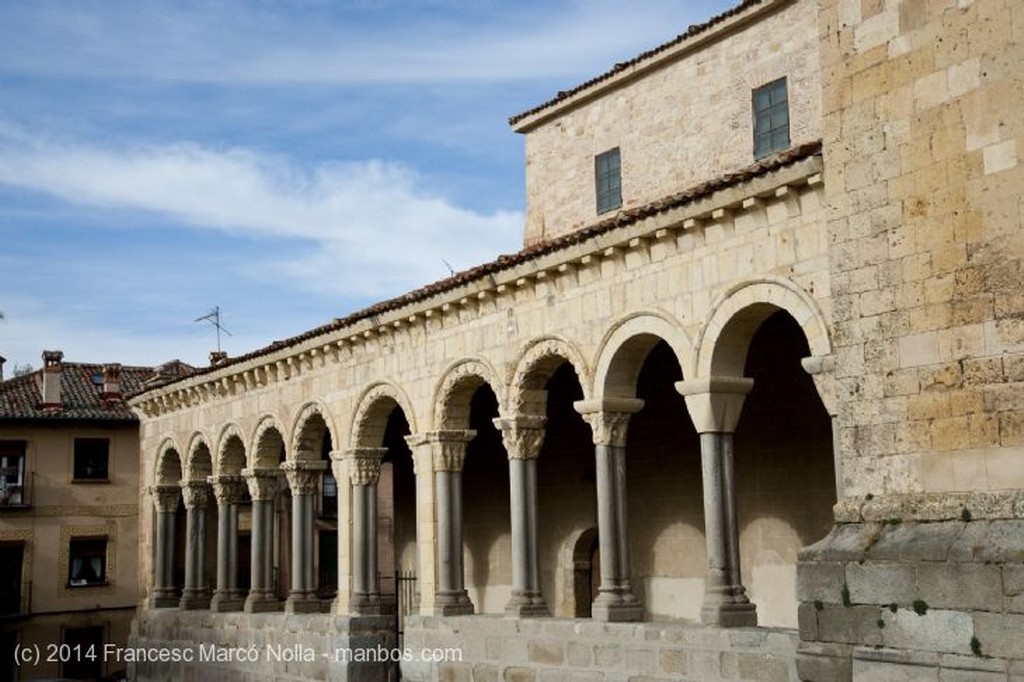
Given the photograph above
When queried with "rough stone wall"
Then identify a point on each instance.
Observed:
(923, 121)
(687, 122)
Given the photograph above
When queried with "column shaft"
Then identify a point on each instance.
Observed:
(262, 489)
(195, 595)
(164, 593)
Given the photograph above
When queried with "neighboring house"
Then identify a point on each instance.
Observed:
(69, 495)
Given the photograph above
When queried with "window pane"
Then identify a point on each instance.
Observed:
(608, 180)
(87, 562)
(91, 459)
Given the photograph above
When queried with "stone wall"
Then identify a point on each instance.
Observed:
(556, 650)
(686, 121)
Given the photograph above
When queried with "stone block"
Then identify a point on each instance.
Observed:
(960, 585)
(845, 542)
(518, 674)
(673, 661)
(763, 668)
(546, 651)
(820, 581)
(849, 625)
(705, 664)
(608, 656)
(641, 661)
(807, 621)
(881, 583)
(579, 655)
(1000, 541)
(999, 634)
(822, 662)
(935, 630)
(486, 672)
(455, 672)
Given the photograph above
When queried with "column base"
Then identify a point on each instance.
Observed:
(617, 606)
(452, 604)
(371, 605)
(261, 603)
(729, 615)
(527, 605)
(223, 602)
(302, 602)
(194, 600)
(164, 599)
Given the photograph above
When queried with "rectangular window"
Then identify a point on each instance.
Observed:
(92, 456)
(771, 118)
(608, 180)
(12, 473)
(87, 562)
(329, 496)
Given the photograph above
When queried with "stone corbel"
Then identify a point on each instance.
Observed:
(821, 368)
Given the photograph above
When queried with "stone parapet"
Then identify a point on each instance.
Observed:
(494, 648)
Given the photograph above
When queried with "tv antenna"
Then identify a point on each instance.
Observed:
(213, 317)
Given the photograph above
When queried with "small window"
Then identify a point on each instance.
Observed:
(771, 118)
(12, 560)
(608, 180)
(87, 562)
(12, 473)
(92, 456)
(329, 498)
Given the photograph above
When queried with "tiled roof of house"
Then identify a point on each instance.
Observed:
(691, 31)
(508, 261)
(81, 392)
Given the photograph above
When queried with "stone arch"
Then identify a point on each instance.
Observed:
(586, 565)
(372, 411)
(168, 469)
(311, 423)
(456, 388)
(536, 364)
(725, 338)
(625, 346)
(231, 452)
(267, 441)
(199, 463)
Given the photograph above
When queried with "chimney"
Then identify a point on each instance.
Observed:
(111, 382)
(52, 368)
(218, 357)
(2, 361)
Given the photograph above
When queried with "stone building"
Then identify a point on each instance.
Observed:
(747, 405)
(69, 509)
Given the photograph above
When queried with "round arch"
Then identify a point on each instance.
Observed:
(199, 462)
(264, 456)
(456, 388)
(231, 459)
(372, 410)
(725, 338)
(306, 434)
(168, 467)
(625, 346)
(535, 364)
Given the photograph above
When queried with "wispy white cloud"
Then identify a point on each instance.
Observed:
(330, 44)
(366, 228)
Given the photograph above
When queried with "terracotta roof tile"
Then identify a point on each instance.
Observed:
(507, 261)
(21, 397)
(691, 31)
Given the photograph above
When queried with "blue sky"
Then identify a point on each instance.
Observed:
(289, 161)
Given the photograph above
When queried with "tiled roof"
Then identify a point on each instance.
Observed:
(21, 397)
(690, 32)
(508, 261)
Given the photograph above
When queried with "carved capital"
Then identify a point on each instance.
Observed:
(522, 435)
(608, 418)
(447, 447)
(715, 403)
(165, 497)
(196, 494)
(303, 476)
(364, 465)
(227, 488)
(262, 483)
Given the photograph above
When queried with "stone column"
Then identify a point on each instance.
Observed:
(364, 473)
(609, 419)
(262, 489)
(304, 481)
(196, 594)
(426, 521)
(229, 491)
(715, 405)
(523, 436)
(164, 594)
(340, 464)
(449, 453)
